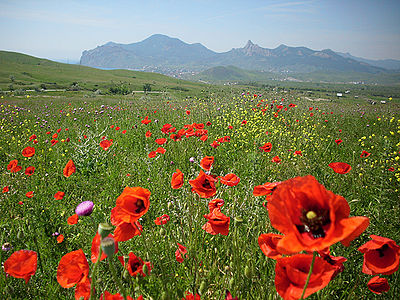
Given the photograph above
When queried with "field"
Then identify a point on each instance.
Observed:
(113, 147)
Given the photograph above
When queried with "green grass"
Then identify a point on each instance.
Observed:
(27, 72)
(215, 263)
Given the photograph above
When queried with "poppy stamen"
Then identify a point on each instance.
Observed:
(313, 222)
(140, 206)
(382, 249)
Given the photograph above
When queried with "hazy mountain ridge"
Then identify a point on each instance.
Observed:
(388, 64)
(161, 51)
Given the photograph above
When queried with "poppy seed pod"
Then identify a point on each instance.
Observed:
(104, 229)
(108, 246)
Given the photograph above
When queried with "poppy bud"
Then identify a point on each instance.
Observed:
(162, 231)
(104, 229)
(108, 246)
(248, 271)
(202, 287)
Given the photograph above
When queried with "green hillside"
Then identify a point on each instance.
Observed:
(20, 71)
(233, 74)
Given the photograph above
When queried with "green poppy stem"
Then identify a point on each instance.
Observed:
(114, 275)
(92, 289)
(309, 275)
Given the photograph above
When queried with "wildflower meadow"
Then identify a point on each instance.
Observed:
(236, 195)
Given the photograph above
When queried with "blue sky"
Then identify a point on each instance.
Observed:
(63, 29)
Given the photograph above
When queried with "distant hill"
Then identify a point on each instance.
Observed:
(231, 74)
(389, 64)
(162, 54)
(27, 72)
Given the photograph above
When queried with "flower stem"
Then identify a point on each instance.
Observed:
(116, 279)
(92, 290)
(309, 275)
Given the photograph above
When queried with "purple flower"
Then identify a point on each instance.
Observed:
(6, 247)
(191, 159)
(84, 209)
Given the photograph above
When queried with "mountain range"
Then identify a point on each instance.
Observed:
(163, 54)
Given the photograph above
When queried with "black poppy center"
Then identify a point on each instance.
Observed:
(206, 184)
(139, 206)
(382, 250)
(135, 266)
(313, 222)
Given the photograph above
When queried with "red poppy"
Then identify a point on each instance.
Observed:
(381, 256)
(311, 217)
(72, 220)
(378, 285)
(130, 206)
(6, 189)
(152, 154)
(297, 152)
(162, 220)
(166, 128)
(117, 128)
(215, 204)
(291, 274)
(340, 167)
(335, 261)
(117, 296)
(267, 147)
(82, 290)
(228, 296)
(188, 112)
(105, 144)
(29, 170)
(206, 162)
(214, 144)
(276, 159)
(204, 185)
(73, 268)
(96, 247)
(268, 243)
(32, 137)
(148, 134)
(204, 138)
(55, 136)
(217, 223)
(123, 131)
(69, 168)
(13, 166)
(21, 264)
(28, 152)
(230, 179)
(29, 194)
(265, 189)
(161, 141)
(125, 231)
(189, 296)
(161, 150)
(180, 253)
(146, 120)
(59, 195)
(339, 141)
(365, 154)
(244, 122)
(177, 179)
(135, 265)
(60, 239)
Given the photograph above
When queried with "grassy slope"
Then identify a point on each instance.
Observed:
(30, 72)
(231, 73)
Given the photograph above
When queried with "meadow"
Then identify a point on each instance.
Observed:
(117, 142)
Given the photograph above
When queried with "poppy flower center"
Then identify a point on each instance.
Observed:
(313, 222)
(382, 249)
(135, 266)
(139, 206)
(206, 184)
